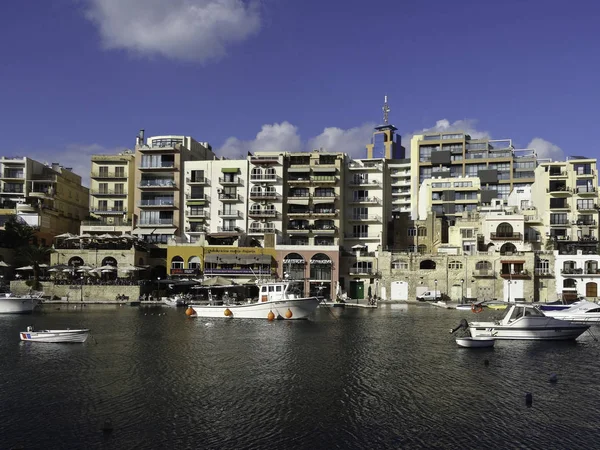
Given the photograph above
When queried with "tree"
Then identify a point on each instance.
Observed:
(34, 255)
(17, 233)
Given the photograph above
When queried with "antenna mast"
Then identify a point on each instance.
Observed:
(386, 110)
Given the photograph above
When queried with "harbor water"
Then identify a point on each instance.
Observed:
(390, 377)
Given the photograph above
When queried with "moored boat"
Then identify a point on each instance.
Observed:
(526, 321)
(276, 300)
(19, 304)
(54, 336)
(582, 312)
(476, 342)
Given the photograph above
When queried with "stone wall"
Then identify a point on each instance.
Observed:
(89, 293)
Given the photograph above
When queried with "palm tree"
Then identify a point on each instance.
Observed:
(34, 255)
(17, 233)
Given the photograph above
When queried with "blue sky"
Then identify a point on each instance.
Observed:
(83, 76)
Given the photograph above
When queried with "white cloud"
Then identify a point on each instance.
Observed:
(278, 137)
(352, 141)
(188, 30)
(545, 149)
(76, 156)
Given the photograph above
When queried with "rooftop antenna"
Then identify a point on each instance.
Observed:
(386, 110)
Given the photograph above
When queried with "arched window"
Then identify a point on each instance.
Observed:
(483, 265)
(427, 264)
(591, 267)
(109, 261)
(455, 265)
(569, 267)
(569, 283)
(542, 266)
(320, 267)
(505, 229)
(422, 249)
(293, 266)
(255, 227)
(76, 261)
(399, 264)
(256, 190)
(177, 262)
(194, 263)
(255, 207)
(257, 171)
(270, 171)
(422, 231)
(508, 249)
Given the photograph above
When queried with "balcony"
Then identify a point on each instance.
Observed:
(357, 166)
(561, 190)
(9, 175)
(586, 190)
(584, 223)
(484, 273)
(331, 196)
(587, 207)
(264, 195)
(362, 236)
(585, 173)
(196, 198)
(299, 229)
(108, 192)
(560, 206)
(107, 211)
(366, 201)
(265, 160)
(162, 145)
(264, 178)
(234, 181)
(233, 230)
(324, 229)
(323, 180)
(520, 275)
(325, 212)
(230, 214)
(230, 198)
(168, 166)
(108, 175)
(559, 223)
(365, 218)
(197, 181)
(163, 203)
(197, 214)
(155, 222)
(365, 183)
(557, 172)
(357, 271)
(299, 212)
(260, 213)
(261, 230)
(155, 185)
(506, 236)
(192, 229)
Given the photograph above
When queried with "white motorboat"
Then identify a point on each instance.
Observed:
(476, 342)
(276, 300)
(19, 304)
(582, 312)
(54, 336)
(526, 321)
(464, 307)
(442, 304)
(175, 300)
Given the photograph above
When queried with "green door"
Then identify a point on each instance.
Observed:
(357, 290)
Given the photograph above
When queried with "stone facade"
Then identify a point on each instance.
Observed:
(88, 293)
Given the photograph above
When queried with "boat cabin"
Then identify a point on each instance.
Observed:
(270, 292)
(518, 311)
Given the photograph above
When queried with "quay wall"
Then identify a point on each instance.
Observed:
(86, 293)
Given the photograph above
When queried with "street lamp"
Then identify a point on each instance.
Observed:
(435, 293)
(462, 286)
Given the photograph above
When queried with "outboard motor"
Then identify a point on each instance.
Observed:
(463, 324)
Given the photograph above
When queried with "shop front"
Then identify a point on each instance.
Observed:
(316, 272)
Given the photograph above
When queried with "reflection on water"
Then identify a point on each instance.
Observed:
(348, 378)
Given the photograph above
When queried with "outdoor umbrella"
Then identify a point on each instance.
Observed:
(217, 281)
(130, 269)
(106, 236)
(25, 268)
(3, 264)
(107, 267)
(64, 236)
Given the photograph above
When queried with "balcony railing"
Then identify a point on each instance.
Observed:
(264, 159)
(162, 165)
(229, 229)
(367, 272)
(506, 236)
(515, 275)
(265, 177)
(197, 180)
(108, 210)
(108, 175)
(158, 184)
(582, 190)
(587, 207)
(231, 181)
(365, 217)
(223, 213)
(262, 213)
(164, 203)
(156, 222)
(263, 194)
(261, 230)
(108, 192)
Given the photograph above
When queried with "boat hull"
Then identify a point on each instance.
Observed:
(300, 308)
(476, 342)
(18, 305)
(555, 333)
(55, 336)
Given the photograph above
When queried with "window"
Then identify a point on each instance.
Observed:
(360, 195)
(422, 249)
(103, 188)
(585, 204)
(360, 231)
(467, 233)
(103, 171)
(483, 265)
(504, 230)
(399, 264)
(461, 184)
(103, 205)
(360, 213)
(422, 231)
(412, 231)
(455, 265)
(119, 188)
(177, 262)
(440, 185)
(118, 205)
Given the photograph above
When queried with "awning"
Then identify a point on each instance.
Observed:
(324, 200)
(258, 259)
(512, 261)
(221, 258)
(230, 169)
(165, 231)
(224, 235)
(298, 201)
(143, 231)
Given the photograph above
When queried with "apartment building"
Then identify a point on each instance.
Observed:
(48, 197)
(112, 191)
(159, 212)
(499, 166)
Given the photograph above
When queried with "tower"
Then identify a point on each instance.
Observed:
(385, 144)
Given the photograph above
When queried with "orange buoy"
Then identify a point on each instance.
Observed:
(288, 314)
(270, 316)
(190, 311)
(227, 312)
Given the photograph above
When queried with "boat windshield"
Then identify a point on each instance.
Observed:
(525, 311)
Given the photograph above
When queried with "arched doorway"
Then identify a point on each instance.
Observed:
(321, 267)
(294, 267)
(508, 249)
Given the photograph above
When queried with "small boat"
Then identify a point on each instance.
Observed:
(54, 336)
(464, 307)
(476, 342)
(277, 300)
(498, 306)
(581, 312)
(175, 300)
(19, 304)
(526, 321)
(442, 304)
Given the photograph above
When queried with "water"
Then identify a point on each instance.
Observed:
(354, 379)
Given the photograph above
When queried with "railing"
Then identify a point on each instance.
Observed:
(108, 211)
(370, 217)
(264, 159)
(229, 229)
(192, 196)
(506, 236)
(587, 207)
(198, 180)
(263, 194)
(163, 143)
(261, 230)
(199, 213)
(108, 175)
(14, 175)
(564, 189)
(234, 180)
(515, 275)
(299, 195)
(262, 212)
(156, 203)
(162, 165)
(13, 191)
(108, 192)
(154, 184)
(376, 200)
(264, 177)
(586, 190)
(584, 222)
(231, 197)
(156, 222)
(223, 213)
